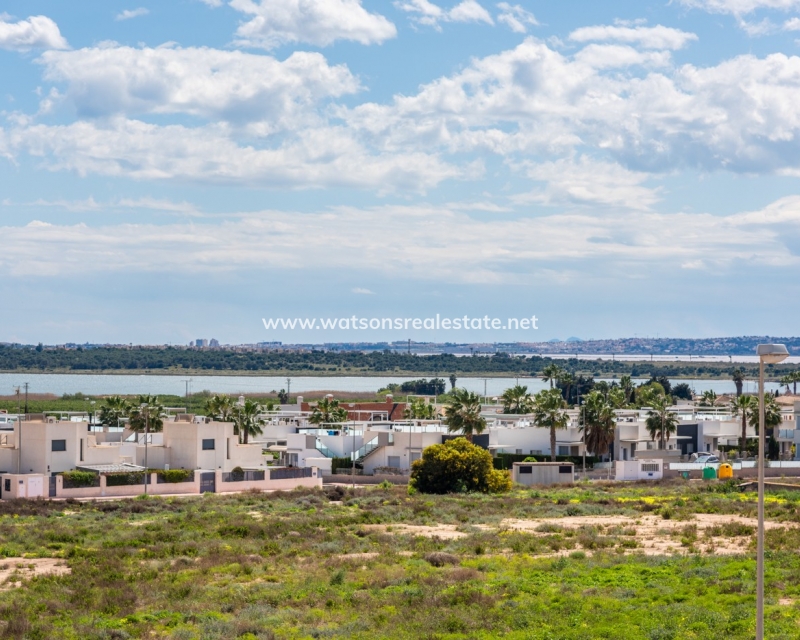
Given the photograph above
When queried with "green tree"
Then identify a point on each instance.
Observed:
(113, 410)
(743, 406)
(453, 381)
(565, 382)
(548, 413)
(248, 419)
(149, 417)
(616, 397)
(738, 379)
(328, 411)
(773, 419)
(791, 379)
(516, 400)
(551, 373)
(457, 466)
(648, 395)
(419, 409)
(220, 408)
(599, 422)
(709, 398)
(661, 423)
(463, 414)
(626, 384)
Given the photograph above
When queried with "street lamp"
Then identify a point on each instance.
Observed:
(145, 411)
(767, 354)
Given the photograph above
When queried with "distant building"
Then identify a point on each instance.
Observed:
(201, 342)
(213, 343)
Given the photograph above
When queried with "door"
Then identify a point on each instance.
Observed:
(394, 462)
(36, 487)
(52, 491)
(208, 482)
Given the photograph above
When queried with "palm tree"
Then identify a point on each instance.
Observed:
(113, 410)
(626, 384)
(661, 422)
(772, 419)
(709, 398)
(516, 400)
(326, 411)
(249, 420)
(565, 381)
(616, 397)
(149, 417)
(744, 405)
(463, 414)
(453, 381)
(419, 409)
(220, 408)
(738, 380)
(599, 423)
(548, 412)
(550, 374)
(791, 379)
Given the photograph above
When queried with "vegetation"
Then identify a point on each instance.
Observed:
(328, 411)
(457, 466)
(339, 564)
(463, 414)
(660, 422)
(77, 479)
(517, 400)
(420, 409)
(548, 413)
(599, 423)
(178, 360)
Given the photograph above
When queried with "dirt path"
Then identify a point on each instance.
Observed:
(13, 571)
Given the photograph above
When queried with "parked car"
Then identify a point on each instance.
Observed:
(704, 457)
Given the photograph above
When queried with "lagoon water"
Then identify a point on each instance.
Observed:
(101, 384)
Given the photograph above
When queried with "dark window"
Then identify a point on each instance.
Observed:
(208, 444)
(8, 485)
(527, 469)
(59, 445)
(565, 468)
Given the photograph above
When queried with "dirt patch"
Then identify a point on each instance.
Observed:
(14, 571)
(442, 531)
(256, 515)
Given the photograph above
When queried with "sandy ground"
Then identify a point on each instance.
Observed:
(653, 534)
(13, 571)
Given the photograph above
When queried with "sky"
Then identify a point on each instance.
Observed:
(185, 169)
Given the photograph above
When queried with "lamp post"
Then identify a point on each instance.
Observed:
(145, 411)
(767, 354)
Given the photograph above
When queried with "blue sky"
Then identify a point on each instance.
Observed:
(181, 169)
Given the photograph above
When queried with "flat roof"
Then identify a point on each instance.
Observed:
(110, 468)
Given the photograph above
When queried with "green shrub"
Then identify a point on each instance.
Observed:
(78, 479)
(124, 478)
(176, 475)
(457, 466)
(341, 463)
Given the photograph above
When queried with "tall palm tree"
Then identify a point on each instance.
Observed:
(565, 381)
(661, 422)
(599, 422)
(744, 406)
(709, 398)
(328, 410)
(420, 409)
(516, 400)
(616, 397)
(453, 381)
(249, 420)
(773, 418)
(626, 384)
(791, 379)
(550, 374)
(738, 379)
(463, 414)
(548, 413)
(149, 417)
(113, 410)
(220, 408)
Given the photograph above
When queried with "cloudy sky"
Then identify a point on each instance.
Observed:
(184, 168)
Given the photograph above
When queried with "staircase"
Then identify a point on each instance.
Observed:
(325, 451)
(380, 440)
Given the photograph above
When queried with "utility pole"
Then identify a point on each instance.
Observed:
(19, 431)
(288, 389)
(26, 398)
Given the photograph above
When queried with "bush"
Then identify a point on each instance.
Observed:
(237, 474)
(78, 479)
(175, 475)
(124, 478)
(340, 463)
(457, 466)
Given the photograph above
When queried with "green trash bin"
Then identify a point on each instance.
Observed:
(685, 475)
(709, 473)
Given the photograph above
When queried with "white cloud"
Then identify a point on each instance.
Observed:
(317, 22)
(114, 206)
(588, 182)
(515, 17)
(363, 292)
(793, 24)
(430, 14)
(212, 3)
(127, 14)
(658, 37)
(740, 7)
(209, 83)
(36, 32)
(313, 158)
(477, 251)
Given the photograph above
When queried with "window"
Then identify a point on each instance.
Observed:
(7, 485)
(526, 469)
(208, 444)
(650, 466)
(394, 462)
(563, 451)
(414, 455)
(59, 445)
(565, 468)
(519, 451)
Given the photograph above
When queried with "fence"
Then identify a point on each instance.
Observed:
(174, 476)
(251, 475)
(75, 481)
(289, 474)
